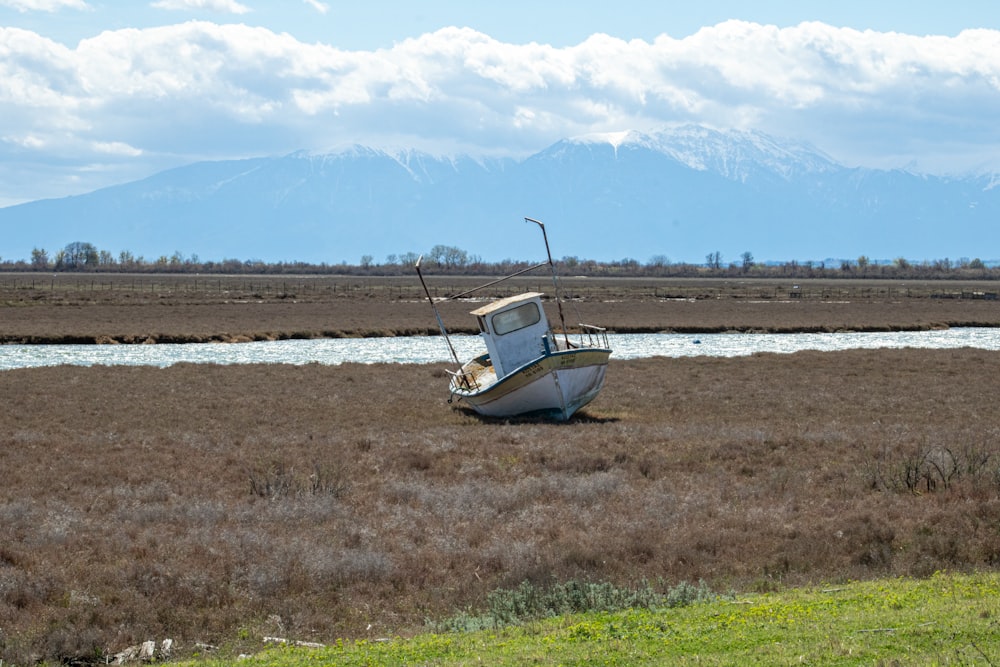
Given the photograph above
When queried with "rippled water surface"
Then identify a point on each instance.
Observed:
(429, 349)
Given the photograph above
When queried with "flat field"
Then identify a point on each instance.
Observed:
(108, 308)
(210, 503)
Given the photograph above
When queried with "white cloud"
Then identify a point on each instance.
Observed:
(320, 7)
(116, 148)
(221, 6)
(26, 141)
(202, 90)
(43, 5)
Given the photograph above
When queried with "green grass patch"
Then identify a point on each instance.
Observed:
(947, 619)
(527, 602)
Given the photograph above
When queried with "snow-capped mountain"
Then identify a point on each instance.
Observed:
(735, 154)
(680, 192)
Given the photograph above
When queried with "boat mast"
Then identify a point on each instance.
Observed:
(444, 331)
(555, 280)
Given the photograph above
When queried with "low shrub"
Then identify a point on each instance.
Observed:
(926, 468)
(279, 480)
(529, 602)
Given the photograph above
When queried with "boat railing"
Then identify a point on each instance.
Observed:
(591, 336)
(468, 376)
(464, 380)
(587, 336)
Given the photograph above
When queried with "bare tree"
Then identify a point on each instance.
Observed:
(39, 259)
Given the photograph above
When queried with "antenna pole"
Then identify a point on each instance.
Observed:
(555, 280)
(444, 331)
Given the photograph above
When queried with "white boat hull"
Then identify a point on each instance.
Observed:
(555, 385)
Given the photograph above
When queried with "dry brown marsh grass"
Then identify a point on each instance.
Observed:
(107, 308)
(317, 502)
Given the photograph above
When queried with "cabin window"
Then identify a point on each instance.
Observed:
(516, 318)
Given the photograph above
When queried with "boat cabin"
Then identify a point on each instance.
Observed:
(515, 330)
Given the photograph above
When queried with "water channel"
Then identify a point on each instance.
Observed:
(431, 349)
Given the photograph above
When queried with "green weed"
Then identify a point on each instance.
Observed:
(945, 619)
(506, 607)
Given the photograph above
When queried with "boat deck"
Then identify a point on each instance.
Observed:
(474, 375)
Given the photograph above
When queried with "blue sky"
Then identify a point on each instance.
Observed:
(95, 92)
(379, 24)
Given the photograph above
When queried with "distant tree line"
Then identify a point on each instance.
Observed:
(442, 259)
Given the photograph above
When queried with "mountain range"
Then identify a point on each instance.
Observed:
(679, 193)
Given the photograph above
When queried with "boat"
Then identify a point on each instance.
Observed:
(528, 368)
